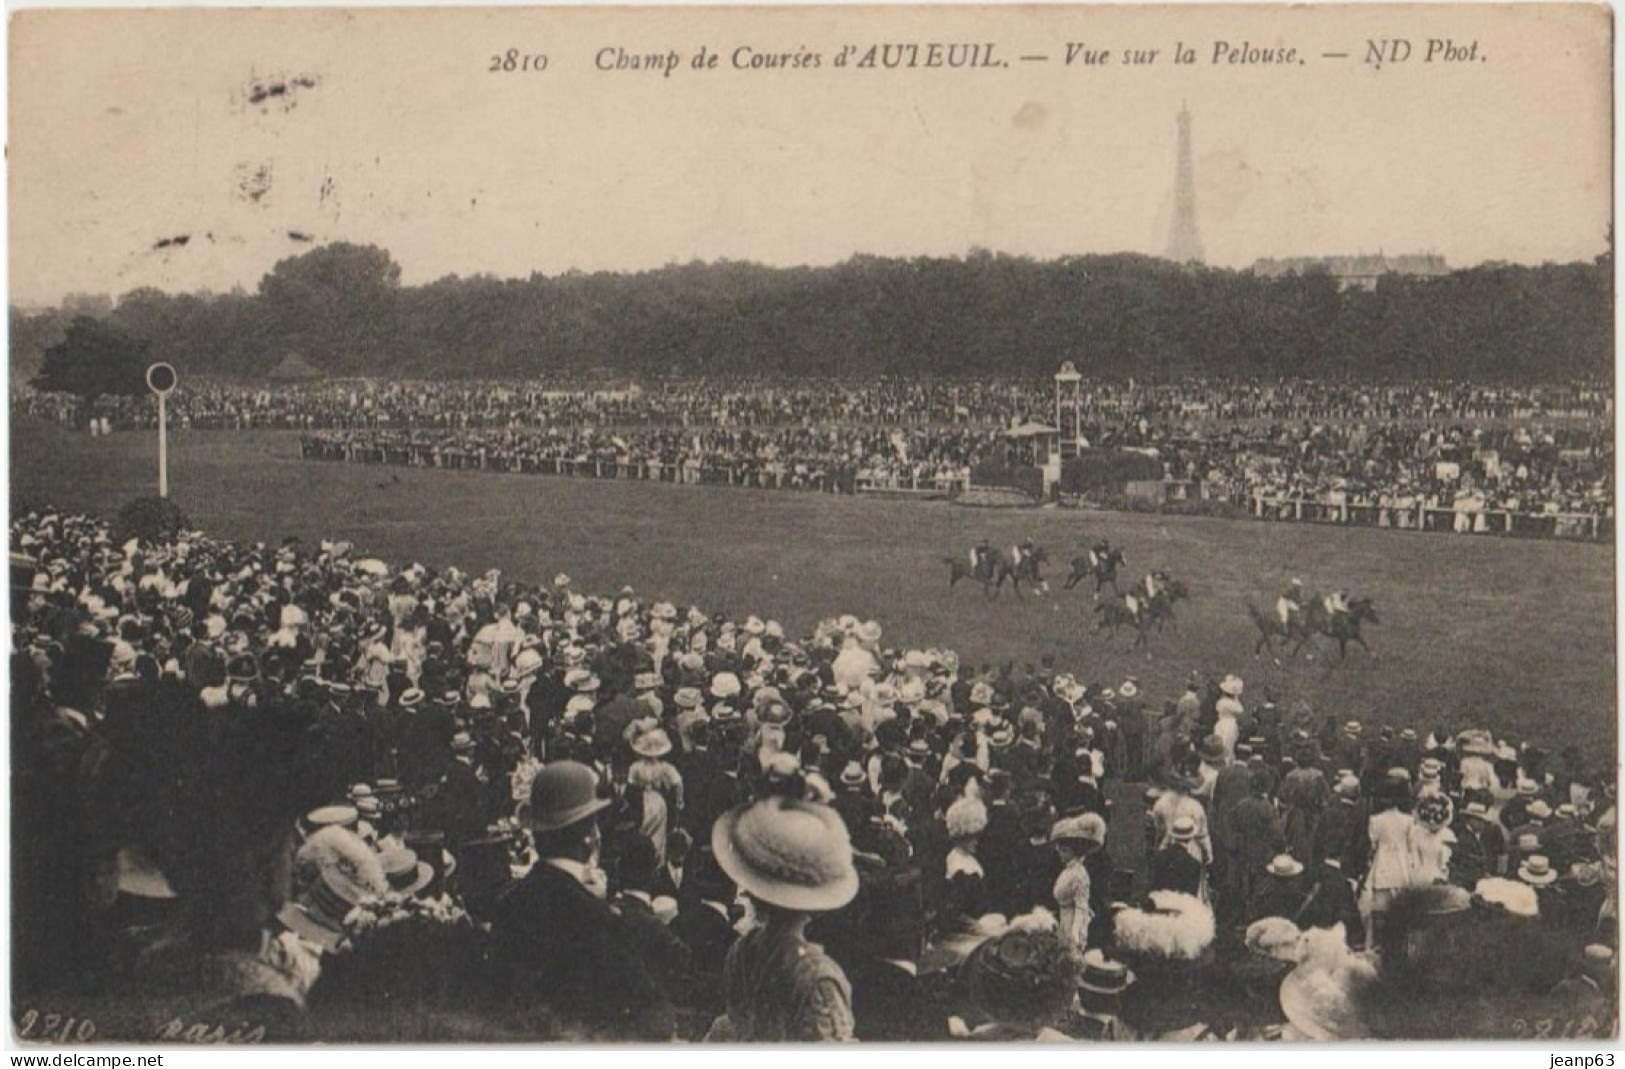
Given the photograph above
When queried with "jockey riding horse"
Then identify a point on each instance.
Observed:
(1101, 563)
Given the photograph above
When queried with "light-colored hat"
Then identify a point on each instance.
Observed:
(1516, 898)
(788, 853)
(336, 871)
(647, 681)
(1183, 829)
(1232, 685)
(1276, 938)
(1353, 729)
(965, 818)
(1102, 976)
(1539, 809)
(653, 743)
(1090, 827)
(852, 775)
(527, 663)
(1284, 865)
(580, 703)
(724, 685)
(1537, 871)
(332, 816)
(687, 698)
(581, 680)
(406, 874)
(1322, 1004)
(1129, 689)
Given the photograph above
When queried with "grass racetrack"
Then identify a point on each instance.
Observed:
(1507, 634)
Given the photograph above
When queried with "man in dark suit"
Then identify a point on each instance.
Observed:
(889, 1002)
(704, 926)
(665, 956)
(556, 940)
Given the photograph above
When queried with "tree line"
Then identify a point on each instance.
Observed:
(343, 310)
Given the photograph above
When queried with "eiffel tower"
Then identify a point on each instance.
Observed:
(1184, 241)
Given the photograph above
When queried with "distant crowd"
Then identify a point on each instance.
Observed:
(1390, 453)
(294, 793)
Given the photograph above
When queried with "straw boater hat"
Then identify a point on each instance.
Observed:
(406, 874)
(1284, 865)
(331, 816)
(852, 775)
(687, 698)
(1537, 871)
(1102, 976)
(1232, 686)
(1129, 689)
(1183, 829)
(788, 853)
(1353, 729)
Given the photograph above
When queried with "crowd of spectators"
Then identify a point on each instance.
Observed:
(291, 793)
(1386, 452)
(886, 402)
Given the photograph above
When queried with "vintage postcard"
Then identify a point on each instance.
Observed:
(896, 524)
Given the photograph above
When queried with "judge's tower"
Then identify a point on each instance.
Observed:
(1184, 241)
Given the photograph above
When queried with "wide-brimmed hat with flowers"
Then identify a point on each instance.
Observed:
(788, 853)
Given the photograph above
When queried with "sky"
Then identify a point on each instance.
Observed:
(130, 129)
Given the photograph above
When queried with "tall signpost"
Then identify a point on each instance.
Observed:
(161, 380)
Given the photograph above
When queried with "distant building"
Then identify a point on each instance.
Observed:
(1360, 271)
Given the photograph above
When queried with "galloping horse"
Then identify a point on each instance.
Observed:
(1114, 615)
(1103, 568)
(997, 566)
(1160, 610)
(1270, 627)
(1343, 626)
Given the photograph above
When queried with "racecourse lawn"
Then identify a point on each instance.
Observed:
(1514, 635)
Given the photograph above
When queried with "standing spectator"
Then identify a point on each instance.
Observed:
(794, 860)
(557, 939)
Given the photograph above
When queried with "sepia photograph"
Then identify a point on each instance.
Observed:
(745, 525)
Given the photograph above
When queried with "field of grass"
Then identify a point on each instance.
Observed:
(1515, 635)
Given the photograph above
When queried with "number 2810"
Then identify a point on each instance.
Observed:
(514, 61)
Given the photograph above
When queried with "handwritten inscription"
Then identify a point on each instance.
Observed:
(37, 1027)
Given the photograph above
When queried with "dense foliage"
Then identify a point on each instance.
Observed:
(151, 519)
(94, 357)
(343, 308)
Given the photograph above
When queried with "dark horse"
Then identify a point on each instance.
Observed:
(1103, 569)
(1270, 628)
(1160, 610)
(1115, 615)
(997, 566)
(1344, 627)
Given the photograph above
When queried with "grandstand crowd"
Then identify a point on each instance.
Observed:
(1530, 460)
(292, 793)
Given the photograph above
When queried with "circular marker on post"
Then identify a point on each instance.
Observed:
(161, 378)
